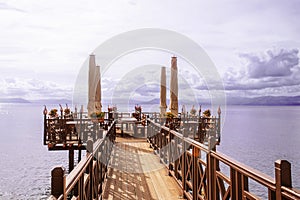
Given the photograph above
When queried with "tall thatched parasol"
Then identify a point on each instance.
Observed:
(98, 105)
(92, 85)
(163, 92)
(174, 87)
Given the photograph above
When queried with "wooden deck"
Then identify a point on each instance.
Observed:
(135, 172)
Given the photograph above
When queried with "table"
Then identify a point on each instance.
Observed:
(127, 121)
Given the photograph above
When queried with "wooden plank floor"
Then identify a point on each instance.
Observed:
(136, 173)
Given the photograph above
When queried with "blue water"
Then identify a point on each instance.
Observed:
(254, 135)
(25, 163)
(259, 135)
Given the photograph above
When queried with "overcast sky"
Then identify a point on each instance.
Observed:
(254, 44)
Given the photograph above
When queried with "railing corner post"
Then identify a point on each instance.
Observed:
(57, 181)
(283, 176)
(89, 146)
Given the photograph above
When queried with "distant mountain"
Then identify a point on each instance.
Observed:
(266, 100)
(52, 101)
(13, 100)
(39, 101)
(157, 101)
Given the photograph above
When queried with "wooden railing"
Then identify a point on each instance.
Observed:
(86, 179)
(204, 173)
(198, 128)
(73, 129)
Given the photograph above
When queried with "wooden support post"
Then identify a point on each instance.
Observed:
(114, 132)
(99, 133)
(195, 172)
(177, 158)
(283, 176)
(96, 127)
(79, 155)
(89, 169)
(171, 152)
(81, 188)
(245, 183)
(91, 174)
(71, 160)
(57, 181)
(89, 146)
(160, 143)
(211, 169)
(163, 147)
(210, 177)
(106, 143)
(236, 184)
(80, 133)
(219, 125)
(45, 125)
(212, 143)
(183, 161)
(101, 180)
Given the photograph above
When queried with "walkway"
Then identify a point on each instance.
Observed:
(136, 173)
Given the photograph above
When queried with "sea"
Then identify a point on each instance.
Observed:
(254, 135)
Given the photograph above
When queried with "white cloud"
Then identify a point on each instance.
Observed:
(274, 73)
(32, 89)
(276, 63)
(49, 40)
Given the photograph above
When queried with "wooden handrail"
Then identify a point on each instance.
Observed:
(83, 172)
(210, 182)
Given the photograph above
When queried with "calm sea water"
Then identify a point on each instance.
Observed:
(259, 135)
(25, 164)
(256, 136)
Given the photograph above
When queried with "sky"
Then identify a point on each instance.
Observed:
(253, 44)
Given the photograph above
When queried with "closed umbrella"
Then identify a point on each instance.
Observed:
(98, 104)
(163, 92)
(174, 87)
(91, 82)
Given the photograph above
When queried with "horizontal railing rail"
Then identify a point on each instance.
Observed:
(204, 173)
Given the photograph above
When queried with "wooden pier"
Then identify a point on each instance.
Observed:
(135, 172)
(182, 163)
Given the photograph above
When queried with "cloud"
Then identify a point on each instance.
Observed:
(4, 6)
(275, 72)
(33, 89)
(55, 39)
(272, 64)
(148, 90)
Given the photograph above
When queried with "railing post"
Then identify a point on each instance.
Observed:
(151, 132)
(238, 184)
(176, 157)
(45, 124)
(99, 133)
(183, 162)
(211, 183)
(160, 143)
(89, 169)
(71, 160)
(58, 181)
(283, 176)
(80, 133)
(89, 146)
(196, 152)
(171, 152)
(219, 125)
(164, 145)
